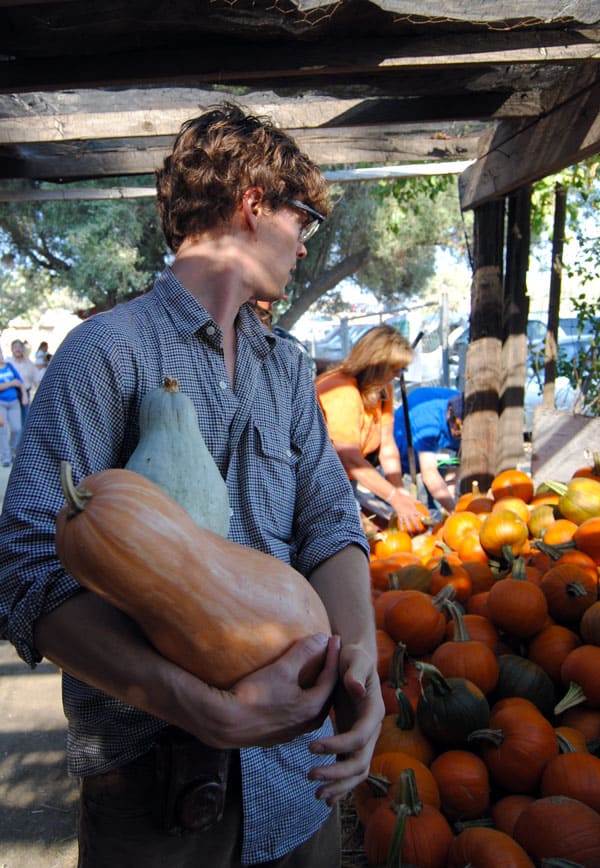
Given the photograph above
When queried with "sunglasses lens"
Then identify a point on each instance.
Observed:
(307, 231)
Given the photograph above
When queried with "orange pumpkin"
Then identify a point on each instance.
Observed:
(587, 538)
(503, 529)
(463, 783)
(512, 483)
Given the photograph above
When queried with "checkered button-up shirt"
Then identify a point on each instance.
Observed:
(288, 494)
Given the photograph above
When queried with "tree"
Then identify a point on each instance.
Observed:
(102, 251)
(382, 235)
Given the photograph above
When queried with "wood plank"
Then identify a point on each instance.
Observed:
(218, 59)
(523, 153)
(559, 441)
(325, 147)
(484, 10)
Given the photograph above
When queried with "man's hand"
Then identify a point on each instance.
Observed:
(359, 710)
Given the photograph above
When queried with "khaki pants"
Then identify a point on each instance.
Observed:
(117, 828)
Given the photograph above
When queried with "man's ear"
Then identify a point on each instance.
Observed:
(251, 205)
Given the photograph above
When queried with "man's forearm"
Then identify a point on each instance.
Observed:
(343, 583)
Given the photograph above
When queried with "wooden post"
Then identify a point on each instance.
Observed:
(509, 448)
(482, 375)
(551, 348)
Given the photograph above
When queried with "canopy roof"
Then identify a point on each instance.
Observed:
(99, 89)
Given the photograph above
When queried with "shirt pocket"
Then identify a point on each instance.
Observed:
(276, 479)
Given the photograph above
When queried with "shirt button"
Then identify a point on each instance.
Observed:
(210, 330)
(223, 385)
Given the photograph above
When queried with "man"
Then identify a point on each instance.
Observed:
(435, 418)
(238, 202)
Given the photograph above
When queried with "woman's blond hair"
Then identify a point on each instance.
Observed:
(374, 358)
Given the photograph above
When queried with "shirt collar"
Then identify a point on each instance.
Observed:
(190, 317)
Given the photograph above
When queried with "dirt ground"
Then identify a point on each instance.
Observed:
(37, 798)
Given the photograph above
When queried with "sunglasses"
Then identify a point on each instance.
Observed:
(310, 227)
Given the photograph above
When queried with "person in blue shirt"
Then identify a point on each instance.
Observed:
(435, 417)
(12, 395)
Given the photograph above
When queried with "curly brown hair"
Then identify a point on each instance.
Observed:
(374, 358)
(219, 155)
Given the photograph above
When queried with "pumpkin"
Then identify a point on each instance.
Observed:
(573, 774)
(502, 530)
(590, 470)
(125, 539)
(507, 810)
(413, 577)
(589, 626)
(450, 708)
(512, 483)
(517, 606)
(516, 747)
(404, 676)
(172, 454)
(407, 831)
(540, 518)
(446, 572)
(586, 720)
(569, 591)
(560, 827)
(587, 538)
(550, 647)
(481, 848)
(478, 627)
(560, 532)
(513, 504)
(385, 652)
(463, 783)
(480, 573)
(415, 618)
(579, 499)
(381, 784)
(470, 549)
(457, 525)
(400, 731)
(463, 657)
(391, 541)
(522, 679)
(580, 671)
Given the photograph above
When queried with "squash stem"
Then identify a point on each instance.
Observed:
(573, 696)
(495, 736)
(461, 634)
(564, 745)
(435, 678)
(170, 384)
(76, 497)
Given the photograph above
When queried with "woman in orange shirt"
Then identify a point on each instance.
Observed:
(357, 400)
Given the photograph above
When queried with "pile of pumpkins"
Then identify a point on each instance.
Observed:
(488, 632)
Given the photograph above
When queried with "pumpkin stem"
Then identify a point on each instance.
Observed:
(556, 550)
(76, 498)
(576, 589)
(397, 677)
(564, 745)
(394, 859)
(496, 736)
(379, 785)
(519, 570)
(435, 677)
(170, 384)
(448, 592)
(406, 714)
(461, 634)
(481, 823)
(557, 487)
(573, 696)
(560, 863)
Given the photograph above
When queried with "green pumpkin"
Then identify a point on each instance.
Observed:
(172, 454)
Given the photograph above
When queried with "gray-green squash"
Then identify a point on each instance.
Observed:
(172, 454)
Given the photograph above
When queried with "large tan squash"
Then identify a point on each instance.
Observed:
(216, 608)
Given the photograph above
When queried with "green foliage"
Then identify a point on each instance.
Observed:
(583, 371)
(582, 208)
(398, 223)
(101, 251)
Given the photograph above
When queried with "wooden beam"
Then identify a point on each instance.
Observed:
(220, 59)
(340, 176)
(480, 10)
(521, 154)
(325, 146)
